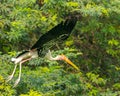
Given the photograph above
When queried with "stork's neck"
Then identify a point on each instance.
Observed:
(49, 56)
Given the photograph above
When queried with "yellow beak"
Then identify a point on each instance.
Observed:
(69, 62)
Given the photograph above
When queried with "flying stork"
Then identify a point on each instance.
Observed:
(58, 33)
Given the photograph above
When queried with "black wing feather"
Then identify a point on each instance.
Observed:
(61, 29)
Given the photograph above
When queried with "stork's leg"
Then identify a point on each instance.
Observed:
(17, 81)
(11, 76)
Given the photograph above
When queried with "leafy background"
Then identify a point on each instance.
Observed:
(94, 46)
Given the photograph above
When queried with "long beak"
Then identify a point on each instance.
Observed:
(69, 62)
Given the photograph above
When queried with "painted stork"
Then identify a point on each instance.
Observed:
(40, 48)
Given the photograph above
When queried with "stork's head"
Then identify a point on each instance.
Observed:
(61, 57)
(64, 58)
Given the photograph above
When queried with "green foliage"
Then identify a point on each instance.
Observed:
(94, 46)
(50, 81)
(32, 93)
(5, 89)
(95, 79)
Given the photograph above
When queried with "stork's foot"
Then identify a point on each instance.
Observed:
(9, 78)
(16, 82)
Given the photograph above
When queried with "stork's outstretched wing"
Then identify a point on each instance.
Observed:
(62, 30)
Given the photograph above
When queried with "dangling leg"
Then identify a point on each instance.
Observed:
(17, 81)
(11, 76)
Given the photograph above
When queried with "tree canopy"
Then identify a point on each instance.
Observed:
(94, 46)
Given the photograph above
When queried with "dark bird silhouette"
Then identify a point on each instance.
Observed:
(59, 33)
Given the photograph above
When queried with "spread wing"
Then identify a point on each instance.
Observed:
(61, 30)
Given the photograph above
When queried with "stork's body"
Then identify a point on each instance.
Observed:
(59, 32)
